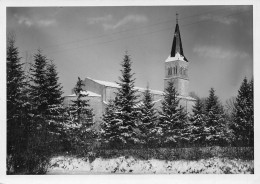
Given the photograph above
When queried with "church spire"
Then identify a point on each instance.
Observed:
(177, 45)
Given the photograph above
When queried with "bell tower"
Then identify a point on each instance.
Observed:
(176, 65)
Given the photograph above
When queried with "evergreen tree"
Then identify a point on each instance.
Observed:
(109, 134)
(81, 134)
(39, 85)
(216, 131)
(54, 87)
(55, 107)
(149, 120)
(172, 119)
(125, 102)
(197, 124)
(16, 107)
(243, 125)
(40, 139)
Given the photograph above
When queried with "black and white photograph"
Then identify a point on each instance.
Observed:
(129, 89)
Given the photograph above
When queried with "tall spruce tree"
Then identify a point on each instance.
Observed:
(39, 143)
(197, 124)
(55, 107)
(81, 134)
(39, 85)
(216, 130)
(126, 100)
(149, 119)
(172, 119)
(16, 108)
(243, 125)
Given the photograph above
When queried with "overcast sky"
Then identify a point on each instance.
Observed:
(91, 42)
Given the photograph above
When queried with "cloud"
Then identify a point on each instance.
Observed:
(46, 23)
(96, 20)
(34, 21)
(126, 20)
(24, 20)
(218, 52)
(221, 19)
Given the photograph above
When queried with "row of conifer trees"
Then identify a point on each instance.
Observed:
(126, 125)
(39, 125)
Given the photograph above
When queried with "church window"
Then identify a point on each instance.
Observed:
(169, 71)
(175, 70)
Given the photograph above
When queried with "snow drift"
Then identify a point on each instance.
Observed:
(71, 165)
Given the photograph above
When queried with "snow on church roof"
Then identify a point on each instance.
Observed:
(177, 56)
(115, 85)
(89, 93)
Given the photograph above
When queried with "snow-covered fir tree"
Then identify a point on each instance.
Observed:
(16, 107)
(243, 125)
(39, 137)
(39, 85)
(55, 112)
(216, 129)
(197, 124)
(172, 120)
(148, 116)
(109, 135)
(80, 120)
(126, 100)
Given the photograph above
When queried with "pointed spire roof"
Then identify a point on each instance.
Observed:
(177, 44)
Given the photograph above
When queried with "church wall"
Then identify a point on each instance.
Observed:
(187, 104)
(110, 93)
(93, 86)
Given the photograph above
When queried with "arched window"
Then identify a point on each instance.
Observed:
(169, 71)
(175, 70)
(181, 71)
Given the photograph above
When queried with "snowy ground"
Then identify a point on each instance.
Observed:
(70, 165)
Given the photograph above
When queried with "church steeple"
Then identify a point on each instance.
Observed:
(177, 44)
(176, 65)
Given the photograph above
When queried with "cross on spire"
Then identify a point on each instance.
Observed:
(177, 17)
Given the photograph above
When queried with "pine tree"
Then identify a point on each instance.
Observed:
(40, 139)
(55, 112)
(197, 124)
(125, 101)
(243, 124)
(109, 134)
(217, 132)
(81, 134)
(172, 119)
(16, 107)
(39, 85)
(149, 120)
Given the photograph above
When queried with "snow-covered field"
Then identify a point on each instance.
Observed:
(71, 165)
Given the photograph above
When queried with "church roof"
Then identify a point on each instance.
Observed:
(115, 85)
(89, 93)
(177, 44)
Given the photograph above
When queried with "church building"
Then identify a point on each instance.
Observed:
(176, 69)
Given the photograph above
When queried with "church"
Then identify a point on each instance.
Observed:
(176, 69)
